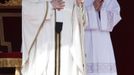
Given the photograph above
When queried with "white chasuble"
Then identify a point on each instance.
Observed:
(38, 39)
(100, 58)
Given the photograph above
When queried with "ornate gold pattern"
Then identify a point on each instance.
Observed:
(10, 62)
(12, 3)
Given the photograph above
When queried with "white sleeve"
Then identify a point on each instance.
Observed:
(40, 6)
(50, 8)
(110, 15)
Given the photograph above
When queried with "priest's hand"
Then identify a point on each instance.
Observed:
(58, 4)
(97, 4)
(79, 2)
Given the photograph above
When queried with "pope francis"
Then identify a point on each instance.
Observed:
(38, 37)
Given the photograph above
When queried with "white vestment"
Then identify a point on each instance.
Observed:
(39, 50)
(98, 47)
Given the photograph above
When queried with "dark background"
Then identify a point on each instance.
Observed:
(12, 28)
(123, 39)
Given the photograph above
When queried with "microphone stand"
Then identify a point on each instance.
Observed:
(58, 28)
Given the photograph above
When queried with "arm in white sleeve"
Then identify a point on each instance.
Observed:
(39, 6)
(110, 15)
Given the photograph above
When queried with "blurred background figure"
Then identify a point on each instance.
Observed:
(103, 15)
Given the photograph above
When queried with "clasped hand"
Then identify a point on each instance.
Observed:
(60, 4)
(98, 4)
